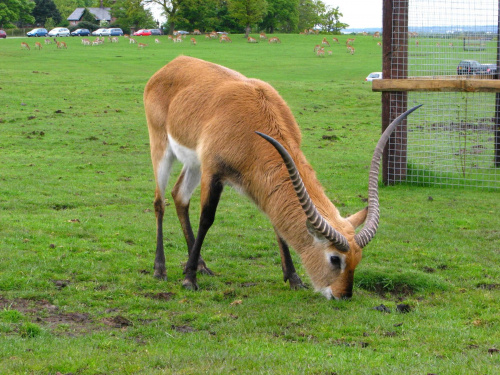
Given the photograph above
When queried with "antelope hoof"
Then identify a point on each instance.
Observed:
(296, 283)
(203, 269)
(189, 284)
(160, 273)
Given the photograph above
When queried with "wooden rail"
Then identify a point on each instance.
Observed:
(439, 85)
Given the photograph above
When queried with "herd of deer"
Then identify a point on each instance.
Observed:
(319, 49)
(38, 45)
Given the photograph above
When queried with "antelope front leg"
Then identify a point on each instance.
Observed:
(289, 273)
(160, 271)
(181, 194)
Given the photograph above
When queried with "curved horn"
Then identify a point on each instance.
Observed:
(313, 216)
(370, 228)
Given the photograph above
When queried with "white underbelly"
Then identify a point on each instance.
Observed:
(185, 155)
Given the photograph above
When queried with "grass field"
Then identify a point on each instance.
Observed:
(77, 231)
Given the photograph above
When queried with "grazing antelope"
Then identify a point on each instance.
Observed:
(38, 45)
(317, 47)
(48, 41)
(330, 52)
(251, 40)
(376, 34)
(262, 36)
(25, 45)
(157, 40)
(274, 39)
(225, 38)
(193, 41)
(177, 39)
(218, 124)
(349, 41)
(196, 32)
(379, 44)
(62, 45)
(85, 42)
(132, 41)
(335, 40)
(350, 49)
(142, 45)
(321, 52)
(114, 39)
(325, 42)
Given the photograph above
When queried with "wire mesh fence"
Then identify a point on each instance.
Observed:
(453, 140)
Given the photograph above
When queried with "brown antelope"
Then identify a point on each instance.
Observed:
(196, 32)
(251, 40)
(227, 144)
(330, 52)
(132, 41)
(262, 36)
(157, 40)
(321, 52)
(225, 38)
(48, 41)
(25, 45)
(379, 44)
(349, 41)
(142, 45)
(350, 49)
(193, 41)
(376, 34)
(325, 42)
(85, 42)
(335, 40)
(317, 47)
(62, 45)
(38, 45)
(274, 39)
(114, 39)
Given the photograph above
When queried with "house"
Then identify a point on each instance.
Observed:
(100, 14)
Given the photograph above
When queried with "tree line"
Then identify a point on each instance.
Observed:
(235, 16)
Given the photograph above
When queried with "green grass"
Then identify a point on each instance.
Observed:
(77, 231)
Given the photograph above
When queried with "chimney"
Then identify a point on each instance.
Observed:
(102, 6)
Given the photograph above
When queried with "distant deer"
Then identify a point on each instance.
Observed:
(62, 45)
(263, 36)
(350, 49)
(142, 45)
(251, 40)
(132, 41)
(38, 45)
(321, 52)
(274, 39)
(25, 45)
(48, 41)
(325, 42)
(335, 40)
(157, 40)
(193, 41)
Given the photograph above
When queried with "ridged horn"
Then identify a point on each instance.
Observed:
(366, 234)
(313, 216)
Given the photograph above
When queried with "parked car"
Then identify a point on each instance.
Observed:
(81, 32)
(472, 67)
(181, 32)
(99, 32)
(142, 32)
(59, 31)
(37, 32)
(115, 32)
(3, 34)
(155, 32)
(374, 75)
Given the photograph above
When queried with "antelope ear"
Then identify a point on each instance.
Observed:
(358, 218)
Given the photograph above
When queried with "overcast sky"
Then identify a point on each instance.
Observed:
(357, 13)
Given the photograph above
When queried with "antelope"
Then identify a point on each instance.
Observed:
(321, 52)
(157, 40)
(335, 40)
(25, 46)
(376, 34)
(142, 45)
(379, 44)
(350, 49)
(85, 42)
(132, 41)
(48, 41)
(225, 38)
(38, 45)
(228, 129)
(325, 42)
(349, 41)
(263, 36)
(114, 39)
(177, 39)
(196, 32)
(193, 41)
(274, 39)
(330, 52)
(62, 45)
(251, 40)
(317, 47)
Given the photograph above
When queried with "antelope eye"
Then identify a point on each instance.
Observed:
(335, 261)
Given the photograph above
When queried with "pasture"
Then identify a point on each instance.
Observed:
(77, 231)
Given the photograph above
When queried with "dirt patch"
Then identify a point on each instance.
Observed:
(399, 291)
(488, 286)
(117, 322)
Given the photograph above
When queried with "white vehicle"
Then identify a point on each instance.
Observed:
(59, 31)
(101, 32)
(374, 75)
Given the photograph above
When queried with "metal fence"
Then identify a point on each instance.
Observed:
(454, 139)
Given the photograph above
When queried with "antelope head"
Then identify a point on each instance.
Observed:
(333, 254)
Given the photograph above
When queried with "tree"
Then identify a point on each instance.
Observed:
(66, 7)
(46, 9)
(282, 15)
(330, 20)
(248, 12)
(170, 10)
(131, 13)
(309, 13)
(13, 11)
(198, 14)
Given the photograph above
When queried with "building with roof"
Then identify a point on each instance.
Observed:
(100, 14)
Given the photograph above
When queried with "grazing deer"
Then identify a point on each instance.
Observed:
(38, 45)
(379, 44)
(157, 40)
(62, 45)
(114, 39)
(251, 40)
(262, 36)
(48, 41)
(196, 32)
(376, 34)
(321, 52)
(231, 130)
(85, 42)
(349, 41)
(193, 41)
(142, 45)
(325, 42)
(330, 52)
(132, 41)
(274, 39)
(25, 45)
(317, 47)
(350, 49)
(335, 40)
(225, 38)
